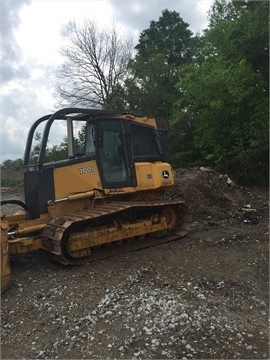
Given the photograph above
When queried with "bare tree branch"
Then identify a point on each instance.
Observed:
(95, 65)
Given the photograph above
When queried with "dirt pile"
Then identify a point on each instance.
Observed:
(214, 196)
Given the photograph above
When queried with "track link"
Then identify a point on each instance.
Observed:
(95, 233)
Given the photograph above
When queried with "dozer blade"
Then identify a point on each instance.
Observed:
(5, 265)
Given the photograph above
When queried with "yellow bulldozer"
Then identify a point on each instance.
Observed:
(104, 195)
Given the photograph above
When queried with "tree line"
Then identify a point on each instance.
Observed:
(213, 86)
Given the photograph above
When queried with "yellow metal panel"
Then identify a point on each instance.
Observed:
(153, 175)
(144, 173)
(24, 245)
(76, 178)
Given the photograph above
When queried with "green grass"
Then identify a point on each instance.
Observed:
(18, 181)
(10, 177)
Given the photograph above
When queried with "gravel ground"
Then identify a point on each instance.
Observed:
(201, 297)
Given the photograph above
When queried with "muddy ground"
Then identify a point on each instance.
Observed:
(201, 297)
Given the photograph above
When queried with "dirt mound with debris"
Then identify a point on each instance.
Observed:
(202, 297)
(213, 196)
(208, 192)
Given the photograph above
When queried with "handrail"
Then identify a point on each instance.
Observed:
(50, 118)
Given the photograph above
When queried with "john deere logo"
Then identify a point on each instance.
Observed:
(165, 174)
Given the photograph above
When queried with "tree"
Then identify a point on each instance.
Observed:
(95, 65)
(169, 36)
(155, 70)
(13, 164)
(224, 111)
(35, 148)
(238, 30)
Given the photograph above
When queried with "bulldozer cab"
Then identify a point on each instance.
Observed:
(102, 154)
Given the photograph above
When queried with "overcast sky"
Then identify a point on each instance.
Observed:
(31, 36)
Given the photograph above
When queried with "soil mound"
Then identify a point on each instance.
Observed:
(210, 194)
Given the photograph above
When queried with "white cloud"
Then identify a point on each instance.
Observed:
(39, 34)
(32, 35)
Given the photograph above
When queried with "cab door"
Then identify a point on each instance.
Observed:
(116, 168)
